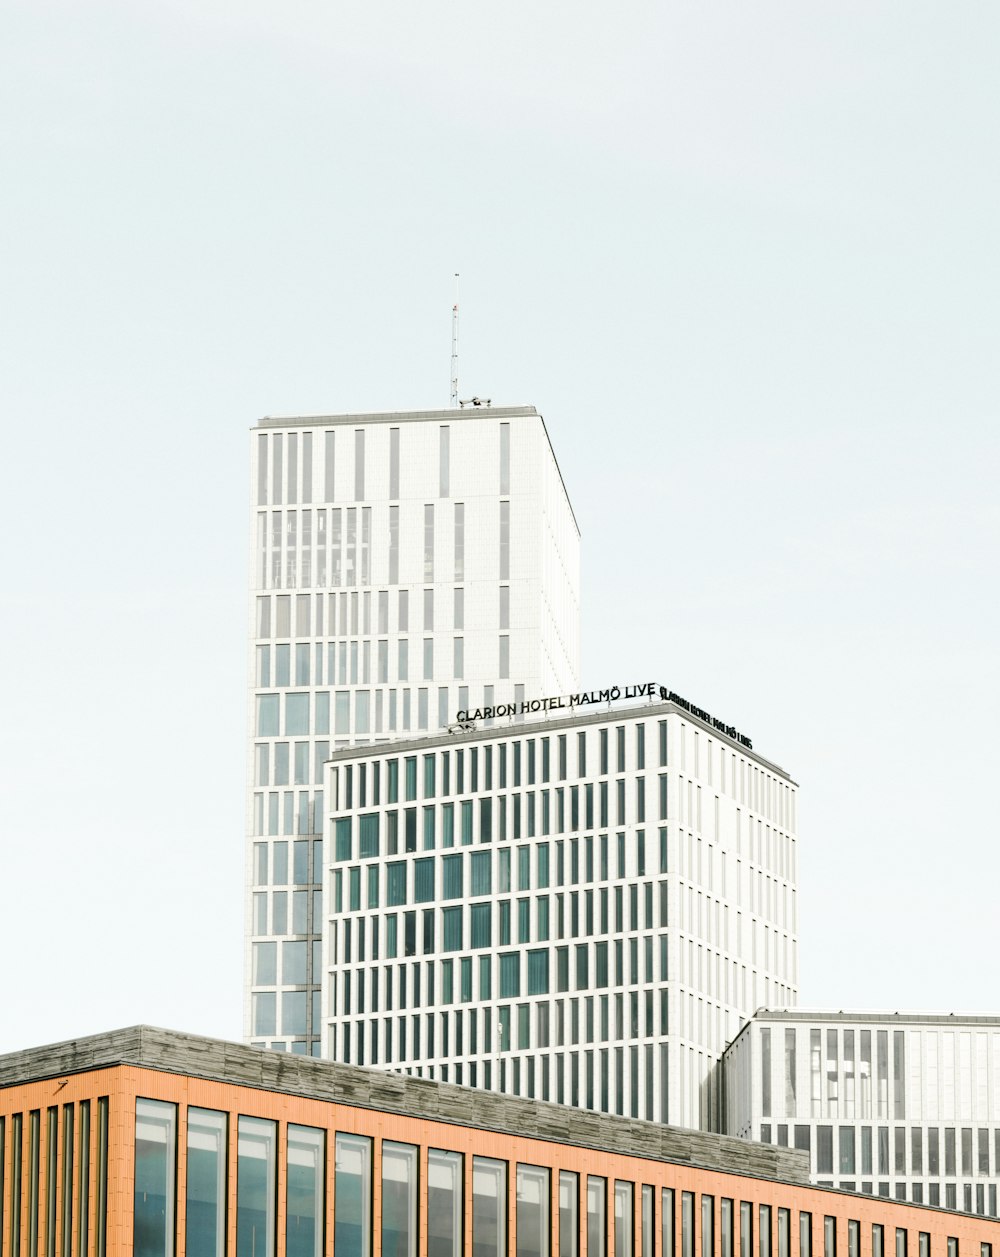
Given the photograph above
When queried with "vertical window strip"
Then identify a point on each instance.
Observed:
(359, 465)
(329, 466)
(261, 468)
(34, 1136)
(51, 1178)
(505, 541)
(505, 458)
(428, 541)
(307, 466)
(83, 1181)
(394, 463)
(444, 459)
(16, 1142)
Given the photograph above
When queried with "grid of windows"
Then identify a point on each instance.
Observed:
(905, 1107)
(530, 927)
(359, 624)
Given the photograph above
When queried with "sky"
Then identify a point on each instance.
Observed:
(744, 259)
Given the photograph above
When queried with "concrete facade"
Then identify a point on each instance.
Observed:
(403, 566)
(144, 1142)
(580, 907)
(902, 1105)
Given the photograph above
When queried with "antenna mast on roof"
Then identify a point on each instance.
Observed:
(454, 347)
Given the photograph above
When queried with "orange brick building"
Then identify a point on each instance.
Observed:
(159, 1144)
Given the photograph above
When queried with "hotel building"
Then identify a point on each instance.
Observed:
(582, 907)
(888, 1103)
(403, 566)
(147, 1143)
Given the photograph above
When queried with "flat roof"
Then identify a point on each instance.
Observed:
(905, 1018)
(533, 724)
(398, 416)
(420, 416)
(218, 1060)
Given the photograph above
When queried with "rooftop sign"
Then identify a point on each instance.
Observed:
(650, 690)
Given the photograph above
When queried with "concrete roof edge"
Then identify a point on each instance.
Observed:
(178, 1053)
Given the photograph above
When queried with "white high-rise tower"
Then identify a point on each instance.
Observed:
(404, 567)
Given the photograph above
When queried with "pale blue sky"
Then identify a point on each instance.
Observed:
(743, 257)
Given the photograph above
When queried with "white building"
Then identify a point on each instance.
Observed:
(581, 908)
(403, 566)
(892, 1104)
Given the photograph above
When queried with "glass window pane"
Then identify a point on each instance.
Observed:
(155, 1155)
(623, 1219)
(489, 1207)
(726, 1228)
(399, 1200)
(305, 1192)
(707, 1226)
(532, 1211)
(764, 1222)
(597, 1226)
(444, 1203)
(805, 1234)
(255, 1188)
(205, 1232)
(648, 1239)
(569, 1214)
(667, 1224)
(687, 1224)
(746, 1228)
(352, 1196)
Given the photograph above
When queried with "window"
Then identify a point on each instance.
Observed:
(155, 1155)
(395, 884)
(255, 1187)
(784, 1236)
(452, 918)
(596, 1215)
(569, 1214)
(538, 972)
(505, 549)
(207, 1140)
(667, 1223)
(444, 450)
(510, 974)
(452, 877)
(399, 1199)
(367, 836)
(707, 1226)
(746, 1229)
(459, 551)
(444, 1203)
(489, 1208)
(305, 1194)
(429, 542)
(805, 1234)
(359, 465)
(480, 916)
(393, 464)
(624, 1219)
(532, 1211)
(481, 872)
(267, 715)
(423, 881)
(352, 1196)
(726, 1229)
(687, 1224)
